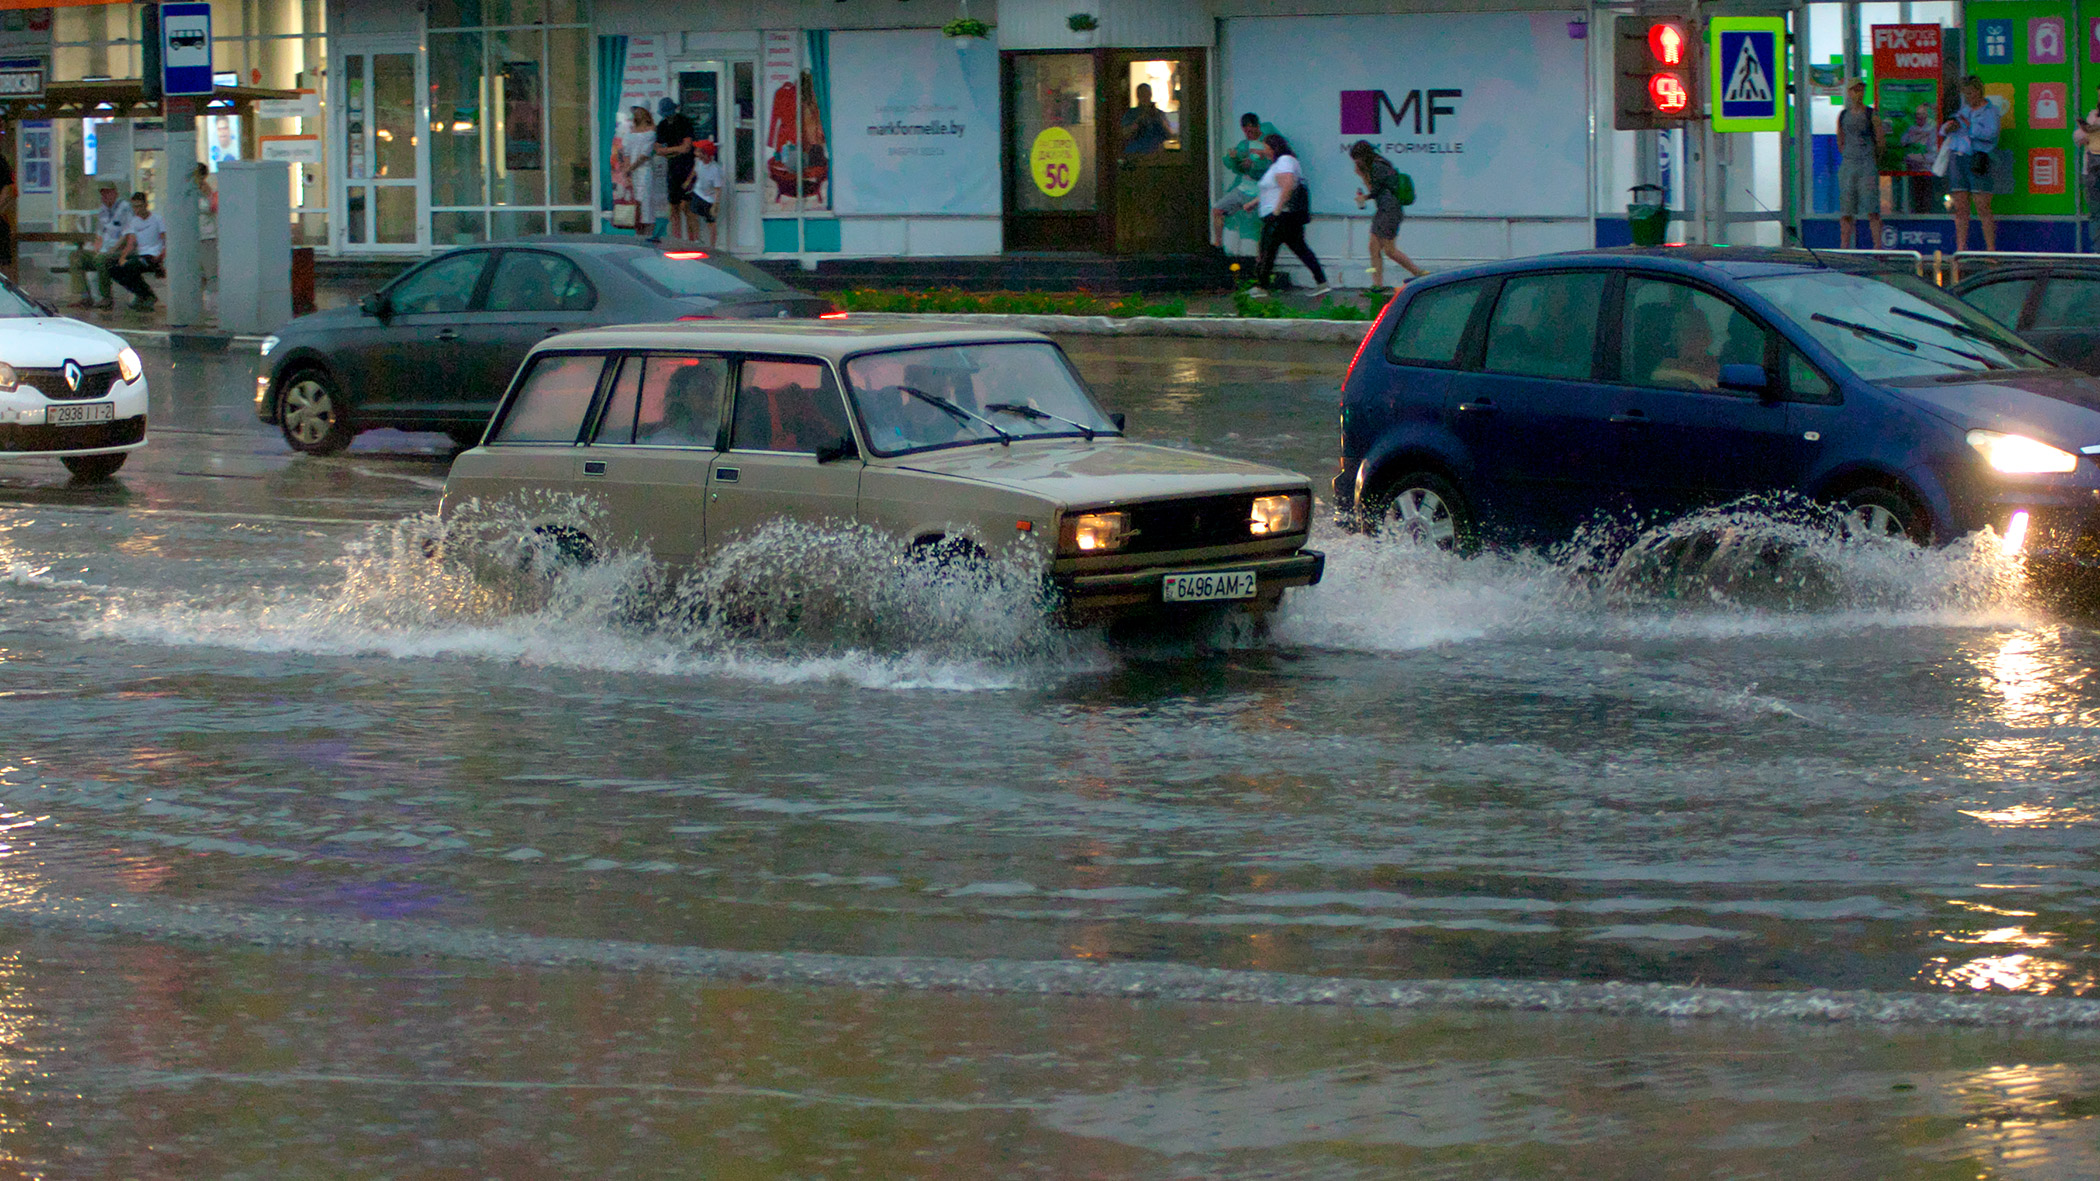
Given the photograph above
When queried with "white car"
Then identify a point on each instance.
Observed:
(68, 390)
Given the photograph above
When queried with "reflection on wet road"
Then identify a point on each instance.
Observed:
(244, 702)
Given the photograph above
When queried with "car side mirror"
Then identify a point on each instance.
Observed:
(1118, 419)
(375, 305)
(839, 448)
(1746, 379)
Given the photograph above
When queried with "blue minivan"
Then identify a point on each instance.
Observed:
(1515, 402)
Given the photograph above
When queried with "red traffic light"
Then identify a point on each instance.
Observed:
(1669, 93)
(1666, 42)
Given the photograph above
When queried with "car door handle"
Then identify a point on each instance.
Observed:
(1483, 406)
(725, 475)
(593, 467)
(447, 334)
(552, 331)
(1631, 418)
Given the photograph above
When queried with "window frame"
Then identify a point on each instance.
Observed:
(603, 399)
(493, 436)
(1772, 357)
(475, 298)
(503, 252)
(1490, 290)
(1599, 358)
(736, 389)
(2031, 312)
(2030, 304)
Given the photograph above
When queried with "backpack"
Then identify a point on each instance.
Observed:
(1403, 188)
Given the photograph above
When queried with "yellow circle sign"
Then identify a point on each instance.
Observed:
(1054, 161)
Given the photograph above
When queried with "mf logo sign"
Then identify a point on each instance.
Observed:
(1364, 112)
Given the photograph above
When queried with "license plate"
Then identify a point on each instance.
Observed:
(85, 412)
(1196, 588)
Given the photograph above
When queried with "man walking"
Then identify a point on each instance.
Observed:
(1245, 162)
(1859, 166)
(113, 222)
(145, 247)
(674, 143)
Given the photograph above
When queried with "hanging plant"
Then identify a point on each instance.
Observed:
(1082, 22)
(964, 26)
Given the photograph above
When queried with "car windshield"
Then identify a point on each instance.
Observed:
(916, 399)
(14, 304)
(681, 273)
(1892, 326)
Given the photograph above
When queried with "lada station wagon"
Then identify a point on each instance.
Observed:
(953, 440)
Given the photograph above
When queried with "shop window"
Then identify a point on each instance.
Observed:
(1054, 168)
(1151, 120)
(744, 87)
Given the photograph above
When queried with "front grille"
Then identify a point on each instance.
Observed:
(85, 437)
(95, 381)
(1191, 524)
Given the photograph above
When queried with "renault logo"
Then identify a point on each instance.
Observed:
(72, 372)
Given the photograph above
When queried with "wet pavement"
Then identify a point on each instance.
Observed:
(323, 861)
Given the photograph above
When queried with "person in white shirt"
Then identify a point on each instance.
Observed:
(112, 222)
(145, 245)
(707, 184)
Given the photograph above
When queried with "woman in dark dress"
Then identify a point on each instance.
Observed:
(1381, 186)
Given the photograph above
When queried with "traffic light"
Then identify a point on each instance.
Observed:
(1651, 74)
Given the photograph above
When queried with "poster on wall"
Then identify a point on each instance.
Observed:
(522, 147)
(917, 127)
(791, 95)
(642, 81)
(2022, 52)
(35, 172)
(1907, 67)
(1487, 112)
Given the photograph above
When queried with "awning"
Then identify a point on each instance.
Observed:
(123, 97)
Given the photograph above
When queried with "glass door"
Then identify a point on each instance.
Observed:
(385, 195)
(1053, 153)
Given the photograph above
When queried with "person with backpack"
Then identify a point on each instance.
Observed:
(1392, 191)
(1285, 206)
(1859, 167)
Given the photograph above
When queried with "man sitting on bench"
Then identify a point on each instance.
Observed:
(145, 245)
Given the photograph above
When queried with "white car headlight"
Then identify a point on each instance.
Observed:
(1095, 533)
(268, 343)
(8, 378)
(1284, 512)
(2018, 455)
(129, 367)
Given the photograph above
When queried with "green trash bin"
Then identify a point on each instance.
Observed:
(1647, 218)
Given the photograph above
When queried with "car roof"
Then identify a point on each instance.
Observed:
(605, 243)
(834, 340)
(2030, 269)
(1735, 262)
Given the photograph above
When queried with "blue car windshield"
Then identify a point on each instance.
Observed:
(917, 399)
(1894, 326)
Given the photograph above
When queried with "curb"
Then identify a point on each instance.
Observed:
(186, 340)
(1348, 332)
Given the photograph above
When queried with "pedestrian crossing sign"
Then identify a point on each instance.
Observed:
(1746, 62)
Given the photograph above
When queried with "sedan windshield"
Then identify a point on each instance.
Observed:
(1893, 326)
(916, 399)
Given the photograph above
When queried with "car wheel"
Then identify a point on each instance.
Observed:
(554, 548)
(1883, 514)
(952, 558)
(1425, 510)
(312, 415)
(94, 467)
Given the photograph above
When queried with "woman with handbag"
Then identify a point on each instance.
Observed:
(1971, 134)
(1285, 206)
(1382, 188)
(635, 205)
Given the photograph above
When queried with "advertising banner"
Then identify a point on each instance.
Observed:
(796, 160)
(1907, 69)
(915, 125)
(2022, 51)
(1487, 112)
(642, 81)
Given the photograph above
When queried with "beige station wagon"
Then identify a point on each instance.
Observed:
(957, 440)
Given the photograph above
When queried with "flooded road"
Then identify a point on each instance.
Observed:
(313, 849)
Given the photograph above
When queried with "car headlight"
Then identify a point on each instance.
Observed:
(268, 343)
(8, 379)
(2018, 455)
(1284, 512)
(129, 367)
(1095, 533)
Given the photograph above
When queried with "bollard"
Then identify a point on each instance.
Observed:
(303, 281)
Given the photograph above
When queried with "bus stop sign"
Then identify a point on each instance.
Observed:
(1746, 63)
(185, 48)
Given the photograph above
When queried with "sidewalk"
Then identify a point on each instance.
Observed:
(56, 289)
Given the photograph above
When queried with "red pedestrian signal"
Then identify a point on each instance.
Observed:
(1652, 74)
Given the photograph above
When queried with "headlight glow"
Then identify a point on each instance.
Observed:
(1095, 533)
(8, 379)
(2018, 455)
(129, 367)
(268, 343)
(1284, 512)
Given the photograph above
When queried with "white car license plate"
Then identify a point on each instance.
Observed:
(85, 412)
(1195, 588)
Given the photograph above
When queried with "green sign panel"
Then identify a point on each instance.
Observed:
(1746, 68)
(2023, 52)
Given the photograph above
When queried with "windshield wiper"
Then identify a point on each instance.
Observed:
(961, 413)
(1894, 338)
(1034, 415)
(1964, 330)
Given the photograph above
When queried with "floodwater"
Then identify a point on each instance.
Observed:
(323, 860)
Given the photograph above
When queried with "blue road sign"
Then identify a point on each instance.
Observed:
(1748, 73)
(185, 48)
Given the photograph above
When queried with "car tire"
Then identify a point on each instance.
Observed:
(94, 467)
(1883, 514)
(1425, 510)
(953, 559)
(554, 548)
(311, 413)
